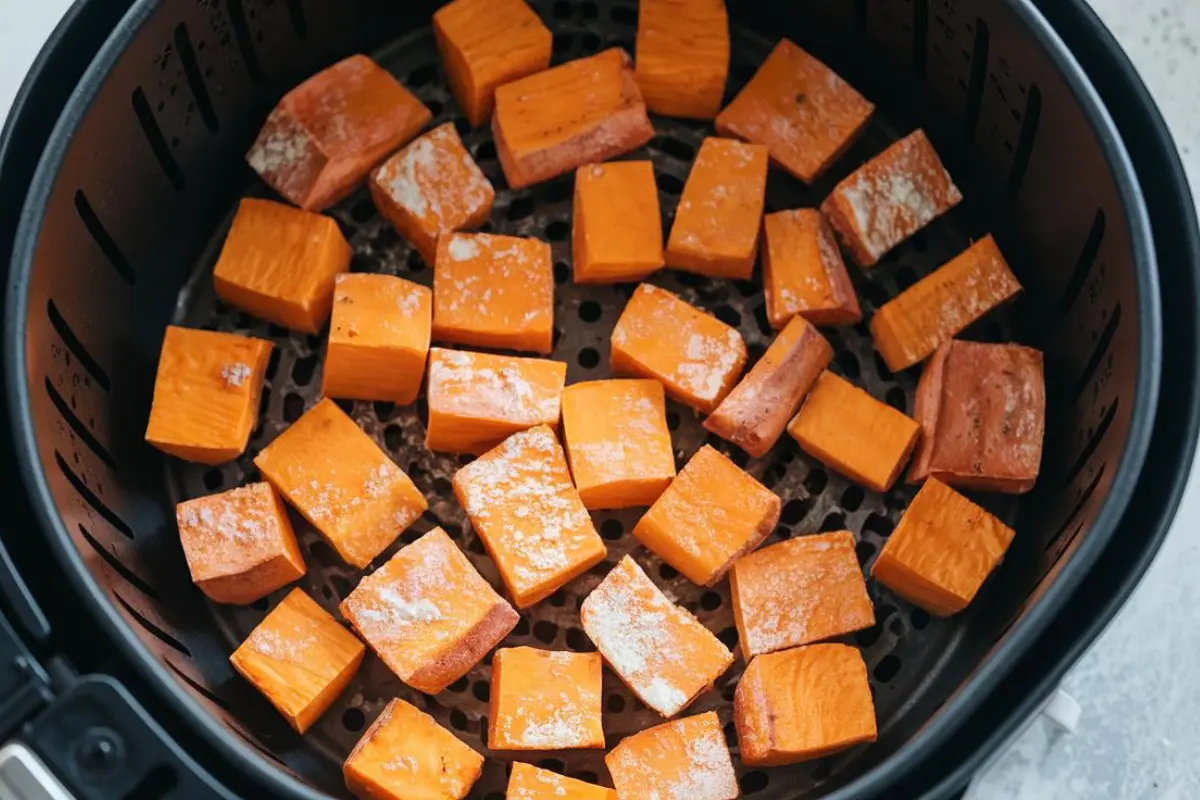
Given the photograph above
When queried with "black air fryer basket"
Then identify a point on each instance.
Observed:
(132, 197)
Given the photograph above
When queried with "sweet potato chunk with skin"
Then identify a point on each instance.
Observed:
(720, 211)
(428, 614)
(520, 501)
(617, 227)
(682, 56)
(684, 758)
(799, 591)
(935, 309)
(657, 648)
(755, 413)
(942, 551)
(803, 704)
(577, 113)
(695, 356)
(300, 658)
(477, 400)
(325, 135)
(206, 394)
(528, 782)
(710, 516)
(543, 700)
(982, 410)
(803, 271)
(339, 479)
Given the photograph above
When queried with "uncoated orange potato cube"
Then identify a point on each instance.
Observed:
(799, 591)
(720, 211)
(848, 430)
(586, 110)
(695, 356)
(803, 271)
(543, 700)
(300, 658)
(710, 516)
(658, 649)
(800, 109)
(803, 704)
(755, 413)
(520, 501)
(528, 782)
(428, 614)
(206, 394)
(476, 400)
(682, 56)
(617, 227)
(485, 44)
(935, 309)
(327, 133)
(494, 291)
(618, 442)
(239, 544)
(339, 479)
(942, 551)
(406, 755)
(684, 758)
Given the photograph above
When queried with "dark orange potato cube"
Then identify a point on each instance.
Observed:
(683, 56)
(543, 700)
(685, 758)
(803, 271)
(528, 782)
(617, 228)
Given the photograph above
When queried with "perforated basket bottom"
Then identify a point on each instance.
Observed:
(903, 648)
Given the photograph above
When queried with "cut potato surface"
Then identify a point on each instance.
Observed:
(543, 700)
(686, 759)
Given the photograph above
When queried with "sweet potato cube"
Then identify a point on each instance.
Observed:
(982, 411)
(618, 443)
(300, 658)
(658, 649)
(406, 755)
(683, 56)
(477, 400)
(325, 135)
(583, 111)
(942, 551)
(719, 215)
(520, 501)
(710, 516)
(758, 409)
(803, 271)
(428, 614)
(891, 197)
(803, 704)
(494, 291)
(617, 226)
(799, 591)
(684, 758)
(543, 700)
(339, 479)
(800, 109)
(695, 356)
(935, 309)
(528, 782)
(488, 43)
(206, 394)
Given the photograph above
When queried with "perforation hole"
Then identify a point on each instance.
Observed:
(213, 480)
(303, 369)
(919, 618)
(611, 529)
(878, 525)
(668, 183)
(864, 550)
(458, 720)
(795, 510)
(563, 42)
(558, 231)
(519, 209)
(887, 668)
(545, 631)
(815, 481)
(729, 637)
(896, 399)
(833, 521)
(710, 601)
(754, 782)
(578, 641)
(589, 358)
(481, 690)
(422, 75)
(353, 720)
(590, 311)
(729, 315)
(293, 407)
(667, 572)
(848, 364)
(486, 151)
(852, 498)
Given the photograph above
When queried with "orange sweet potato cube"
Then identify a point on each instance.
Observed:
(684, 758)
(300, 658)
(616, 231)
(325, 135)
(428, 614)
(848, 430)
(758, 409)
(683, 56)
(543, 700)
(803, 704)
(709, 517)
(520, 501)
(485, 44)
(528, 782)
(720, 212)
(803, 271)
(583, 111)
(891, 197)
(800, 109)
(695, 356)
(799, 591)
(494, 291)
(658, 649)
(239, 544)
(477, 400)
(935, 309)
(339, 479)
(618, 442)
(206, 394)
(942, 551)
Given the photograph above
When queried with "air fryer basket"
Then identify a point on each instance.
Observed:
(132, 200)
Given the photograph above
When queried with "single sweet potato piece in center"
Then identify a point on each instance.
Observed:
(684, 758)
(545, 700)
(617, 227)
(803, 271)
(683, 56)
